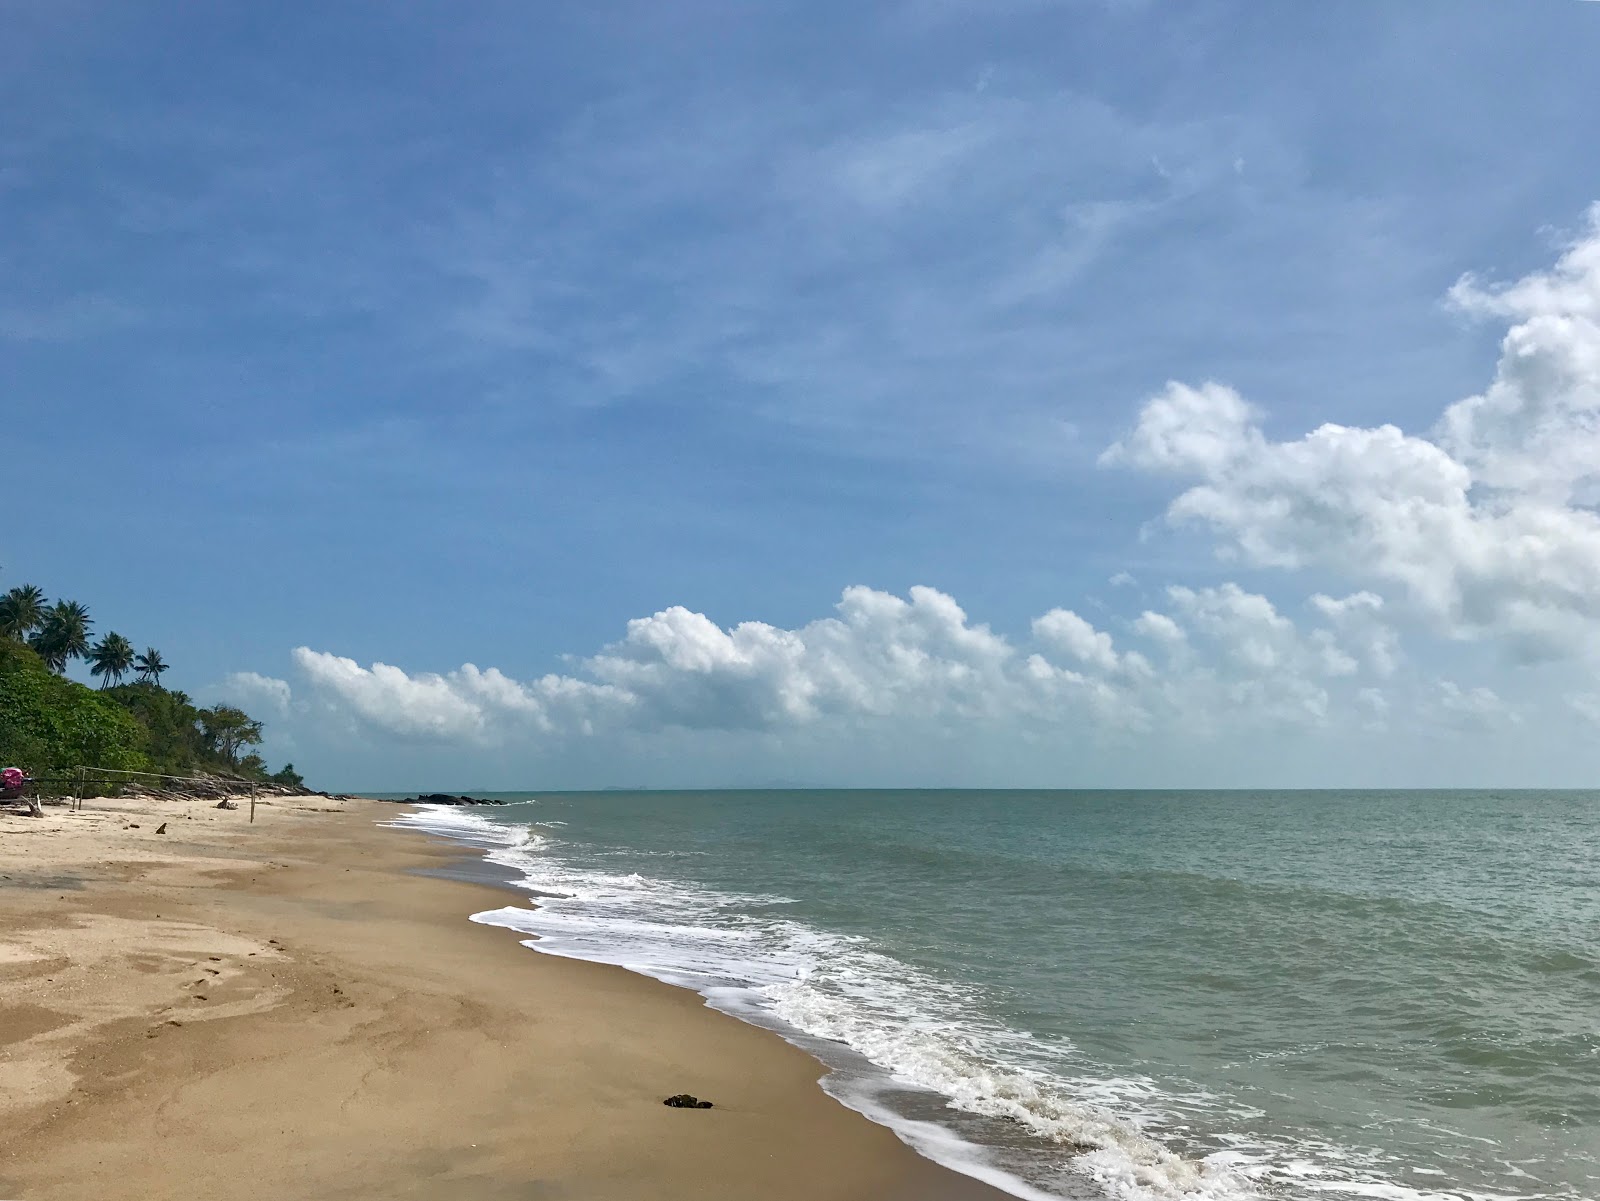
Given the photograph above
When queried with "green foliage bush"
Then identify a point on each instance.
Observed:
(49, 724)
(173, 740)
(287, 775)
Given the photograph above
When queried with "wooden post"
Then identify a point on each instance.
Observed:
(252, 803)
(82, 780)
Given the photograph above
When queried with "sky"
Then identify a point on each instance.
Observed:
(1017, 393)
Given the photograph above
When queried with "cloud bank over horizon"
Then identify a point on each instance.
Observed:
(1480, 534)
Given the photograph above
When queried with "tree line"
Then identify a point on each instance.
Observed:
(50, 723)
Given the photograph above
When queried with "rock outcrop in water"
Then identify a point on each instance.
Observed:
(443, 798)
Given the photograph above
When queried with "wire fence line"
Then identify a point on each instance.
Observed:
(161, 775)
(206, 786)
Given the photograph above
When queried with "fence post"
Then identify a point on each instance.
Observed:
(83, 773)
(252, 803)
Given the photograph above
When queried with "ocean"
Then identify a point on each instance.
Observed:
(1136, 995)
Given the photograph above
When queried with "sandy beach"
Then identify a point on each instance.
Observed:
(290, 1009)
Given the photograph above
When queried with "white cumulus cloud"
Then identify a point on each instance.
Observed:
(1067, 632)
(886, 661)
(1536, 429)
(465, 705)
(1485, 528)
(249, 690)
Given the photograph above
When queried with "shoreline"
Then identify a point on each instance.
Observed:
(963, 1143)
(300, 1008)
(831, 1062)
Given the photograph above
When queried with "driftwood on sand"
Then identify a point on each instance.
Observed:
(72, 787)
(203, 788)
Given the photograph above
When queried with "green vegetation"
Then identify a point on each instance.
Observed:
(287, 775)
(50, 724)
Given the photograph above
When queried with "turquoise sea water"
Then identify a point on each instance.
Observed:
(1218, 994)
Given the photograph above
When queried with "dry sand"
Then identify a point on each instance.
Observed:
(286, 1010)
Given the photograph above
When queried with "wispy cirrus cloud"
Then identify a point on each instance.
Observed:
(74, 319)
(858, 278)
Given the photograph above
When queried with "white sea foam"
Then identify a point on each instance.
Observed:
(912, 1030)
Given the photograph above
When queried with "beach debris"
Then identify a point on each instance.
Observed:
(686, 1101)
(226, 804)
(208, 787)
(162, 828)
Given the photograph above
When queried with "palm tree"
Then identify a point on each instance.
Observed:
(63, 635)
(21, 611)
(111, 658)
(150, 665)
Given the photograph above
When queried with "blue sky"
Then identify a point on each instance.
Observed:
(428, 335)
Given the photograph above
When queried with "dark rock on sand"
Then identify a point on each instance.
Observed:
(226, 804)
(685, 1101)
